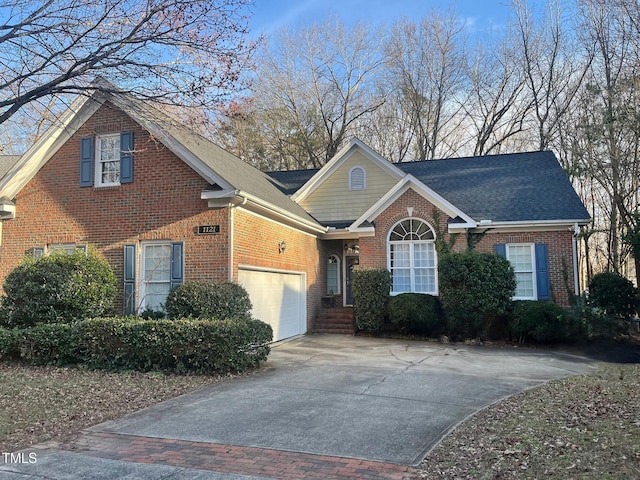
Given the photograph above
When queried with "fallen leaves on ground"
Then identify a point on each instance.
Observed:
(582, 427)
(38, 404)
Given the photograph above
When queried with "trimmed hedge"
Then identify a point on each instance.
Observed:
(371, 287)
(58, 288)
(48, 344)
(544, 322)
(475, 290)
(184, 345)
(202, 299)
(417, 313)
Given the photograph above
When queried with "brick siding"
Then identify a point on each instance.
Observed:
(256, 241)
(162, 203)
(373, 250)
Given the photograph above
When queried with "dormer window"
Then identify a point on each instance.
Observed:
(357, 179)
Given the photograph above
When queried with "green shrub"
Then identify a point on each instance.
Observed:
(475, 291)
(417, 313)
(597, 325)
(613, 294)
(544, 322)
(8, 344)
(371, 289)
(201, 345)
(48, 344)
(200, 299)
(183, 345)
(58, 288)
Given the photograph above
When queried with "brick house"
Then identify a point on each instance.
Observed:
(164, 205)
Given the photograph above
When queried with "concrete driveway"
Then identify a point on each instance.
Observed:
(364, 398)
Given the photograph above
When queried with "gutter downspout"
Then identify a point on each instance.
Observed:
(576, 278)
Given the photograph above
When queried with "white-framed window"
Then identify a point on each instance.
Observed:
(333, 275)
(68, 248)
(522, 258)
(107, 160)
(412, 257)
(156, 275)
(357, 178)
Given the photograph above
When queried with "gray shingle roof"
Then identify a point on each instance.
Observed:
(227, 166)
(518, 187)
(503, 188)
(6, 162)
(290, 181)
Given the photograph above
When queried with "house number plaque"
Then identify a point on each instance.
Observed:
(208, 229)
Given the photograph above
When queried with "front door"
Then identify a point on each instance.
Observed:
(351, 262)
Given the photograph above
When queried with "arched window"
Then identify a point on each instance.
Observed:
(333, 275)
(412, 257)
(357, 179)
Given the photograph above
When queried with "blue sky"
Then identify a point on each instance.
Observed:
(271, 15)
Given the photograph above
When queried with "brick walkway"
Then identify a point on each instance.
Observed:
(231, 459)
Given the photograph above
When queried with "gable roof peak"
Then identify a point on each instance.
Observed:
(354, 144)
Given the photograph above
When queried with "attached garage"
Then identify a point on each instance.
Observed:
(278, 298)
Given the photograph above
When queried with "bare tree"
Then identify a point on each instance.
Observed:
(185, 52)
(553, 66)
(497, 103)
(388, 130)
(312, 86)
(427, 63)
(606, 142)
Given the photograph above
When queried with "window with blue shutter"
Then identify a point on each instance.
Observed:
(106, 160)
(130, 261)
(530, 264)
(126, 157)
(177, 264)
(542, 272)
(161, 269)
(86, 162)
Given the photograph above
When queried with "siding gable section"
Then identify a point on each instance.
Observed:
(333, 196)
(336, 199)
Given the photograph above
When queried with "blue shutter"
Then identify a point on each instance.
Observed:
(501, 249)
(542, 272)
(177, 263)
(126, 157)
(86, 162)
(130, 257)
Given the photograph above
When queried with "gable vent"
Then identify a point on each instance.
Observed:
(357, 179)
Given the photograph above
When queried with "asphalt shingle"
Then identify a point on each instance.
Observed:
(516, 187)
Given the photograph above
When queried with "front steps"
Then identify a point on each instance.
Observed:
(338, 320)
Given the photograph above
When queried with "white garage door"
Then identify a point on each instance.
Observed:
(279, 299)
